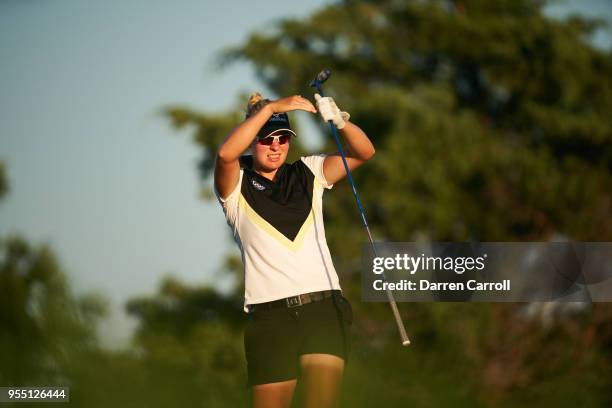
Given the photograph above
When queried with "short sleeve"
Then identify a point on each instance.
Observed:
(230, 203)
(315, 164)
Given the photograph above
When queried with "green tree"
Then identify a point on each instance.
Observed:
(44, 328)
(46, 332)
(487, 102)
(491, 122)
(190, 341)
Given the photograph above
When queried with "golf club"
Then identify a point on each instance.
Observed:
(316, 83)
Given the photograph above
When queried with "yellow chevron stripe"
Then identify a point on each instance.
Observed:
(266, 226)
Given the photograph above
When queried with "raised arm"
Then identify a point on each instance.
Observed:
(359, 148)
(227, 166)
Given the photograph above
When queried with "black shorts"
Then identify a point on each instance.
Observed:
(275, 339)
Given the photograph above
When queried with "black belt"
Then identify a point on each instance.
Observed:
(293, 301)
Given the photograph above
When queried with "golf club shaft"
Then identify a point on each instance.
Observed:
(392, 302)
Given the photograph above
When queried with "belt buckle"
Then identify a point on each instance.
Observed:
(294, 301)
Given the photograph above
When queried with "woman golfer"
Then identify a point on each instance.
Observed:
(298, 321)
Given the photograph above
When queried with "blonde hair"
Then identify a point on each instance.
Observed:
(255, 103)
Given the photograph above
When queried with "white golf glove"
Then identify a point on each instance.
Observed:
(329, 111)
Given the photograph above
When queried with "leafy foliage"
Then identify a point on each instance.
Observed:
(491, 122)
(45, 330)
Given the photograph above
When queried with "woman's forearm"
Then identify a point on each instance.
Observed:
(358, 145)
(242, 136)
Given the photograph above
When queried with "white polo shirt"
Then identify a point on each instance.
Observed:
(278, 227)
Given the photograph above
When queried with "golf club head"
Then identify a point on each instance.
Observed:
(320, 78)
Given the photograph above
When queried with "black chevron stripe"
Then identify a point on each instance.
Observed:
(284, 203)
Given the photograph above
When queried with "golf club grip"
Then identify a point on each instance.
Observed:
(398, 319)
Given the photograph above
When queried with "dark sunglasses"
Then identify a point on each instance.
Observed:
(268, 140)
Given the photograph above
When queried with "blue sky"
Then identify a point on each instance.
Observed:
(94, 170)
